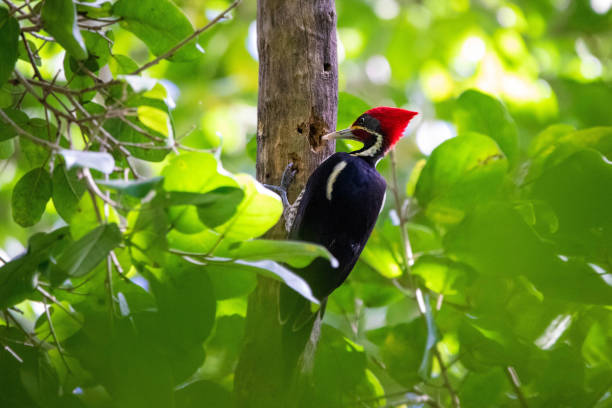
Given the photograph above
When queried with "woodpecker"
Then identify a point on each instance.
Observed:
(339, 207)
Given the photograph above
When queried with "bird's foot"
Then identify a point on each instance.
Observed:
(288, 176)
(286, 180)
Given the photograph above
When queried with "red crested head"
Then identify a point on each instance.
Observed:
(378, 129)
(393, 122)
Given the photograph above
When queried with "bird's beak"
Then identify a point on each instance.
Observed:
(340, 134)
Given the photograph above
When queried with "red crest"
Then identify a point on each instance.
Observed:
(393, 121)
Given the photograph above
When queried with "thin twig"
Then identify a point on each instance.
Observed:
(454, 397)
(181, 44)
(11, 351)
(31, 57)
(60, 350)
(516, 385)
(94, 189)
(26, 134)
(58, 303)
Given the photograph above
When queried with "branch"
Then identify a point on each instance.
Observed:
(181, 44)
(26, 134)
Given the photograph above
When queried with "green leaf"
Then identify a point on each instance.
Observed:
(9, 39)
(338, 354)
(483, 389)
(122, 65)
(415, 174)
(30, 197)
(231, 280)
(214, 207)
(7, 148)
(195, 173)
(147, 236)
(155, 119)
(160, 24)
(203, 393)
(17, 116)
(441, 275)
(64, 324)
(84, 255)
(67, 191)
(100, 161)
(126, 133)
(186, 301)
(496, 241)
(134, 188)
(18, 279)
(295, 253)
(579, 191)
(258, 212)
(60, 20)
(401, 350)
(482, 113)
(459, 174)
(558, 142)
(276, 271)
(34, 154)
(98, 47)
(350, 107)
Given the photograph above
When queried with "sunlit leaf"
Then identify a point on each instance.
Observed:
(481, 113)
(60, 20)
(460, 173)
(258, 212)
(294, 253)
(100, 161)
(159, 23)
(195, 173)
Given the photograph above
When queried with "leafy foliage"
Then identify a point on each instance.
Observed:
(127, 251)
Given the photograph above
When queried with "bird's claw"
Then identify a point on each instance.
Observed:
(286, 180)
(288, 176)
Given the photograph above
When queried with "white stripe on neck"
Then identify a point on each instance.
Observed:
(332, 179)
(375, 148)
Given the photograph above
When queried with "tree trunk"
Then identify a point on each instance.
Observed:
(298, 93)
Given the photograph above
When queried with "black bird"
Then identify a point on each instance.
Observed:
(339, 207)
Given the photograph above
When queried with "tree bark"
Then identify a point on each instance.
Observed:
(298, 94)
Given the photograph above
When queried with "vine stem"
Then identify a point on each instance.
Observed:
(181, 44)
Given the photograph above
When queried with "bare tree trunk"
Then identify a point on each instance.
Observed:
(298, 92)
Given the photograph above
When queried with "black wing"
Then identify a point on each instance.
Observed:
(340, 217)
